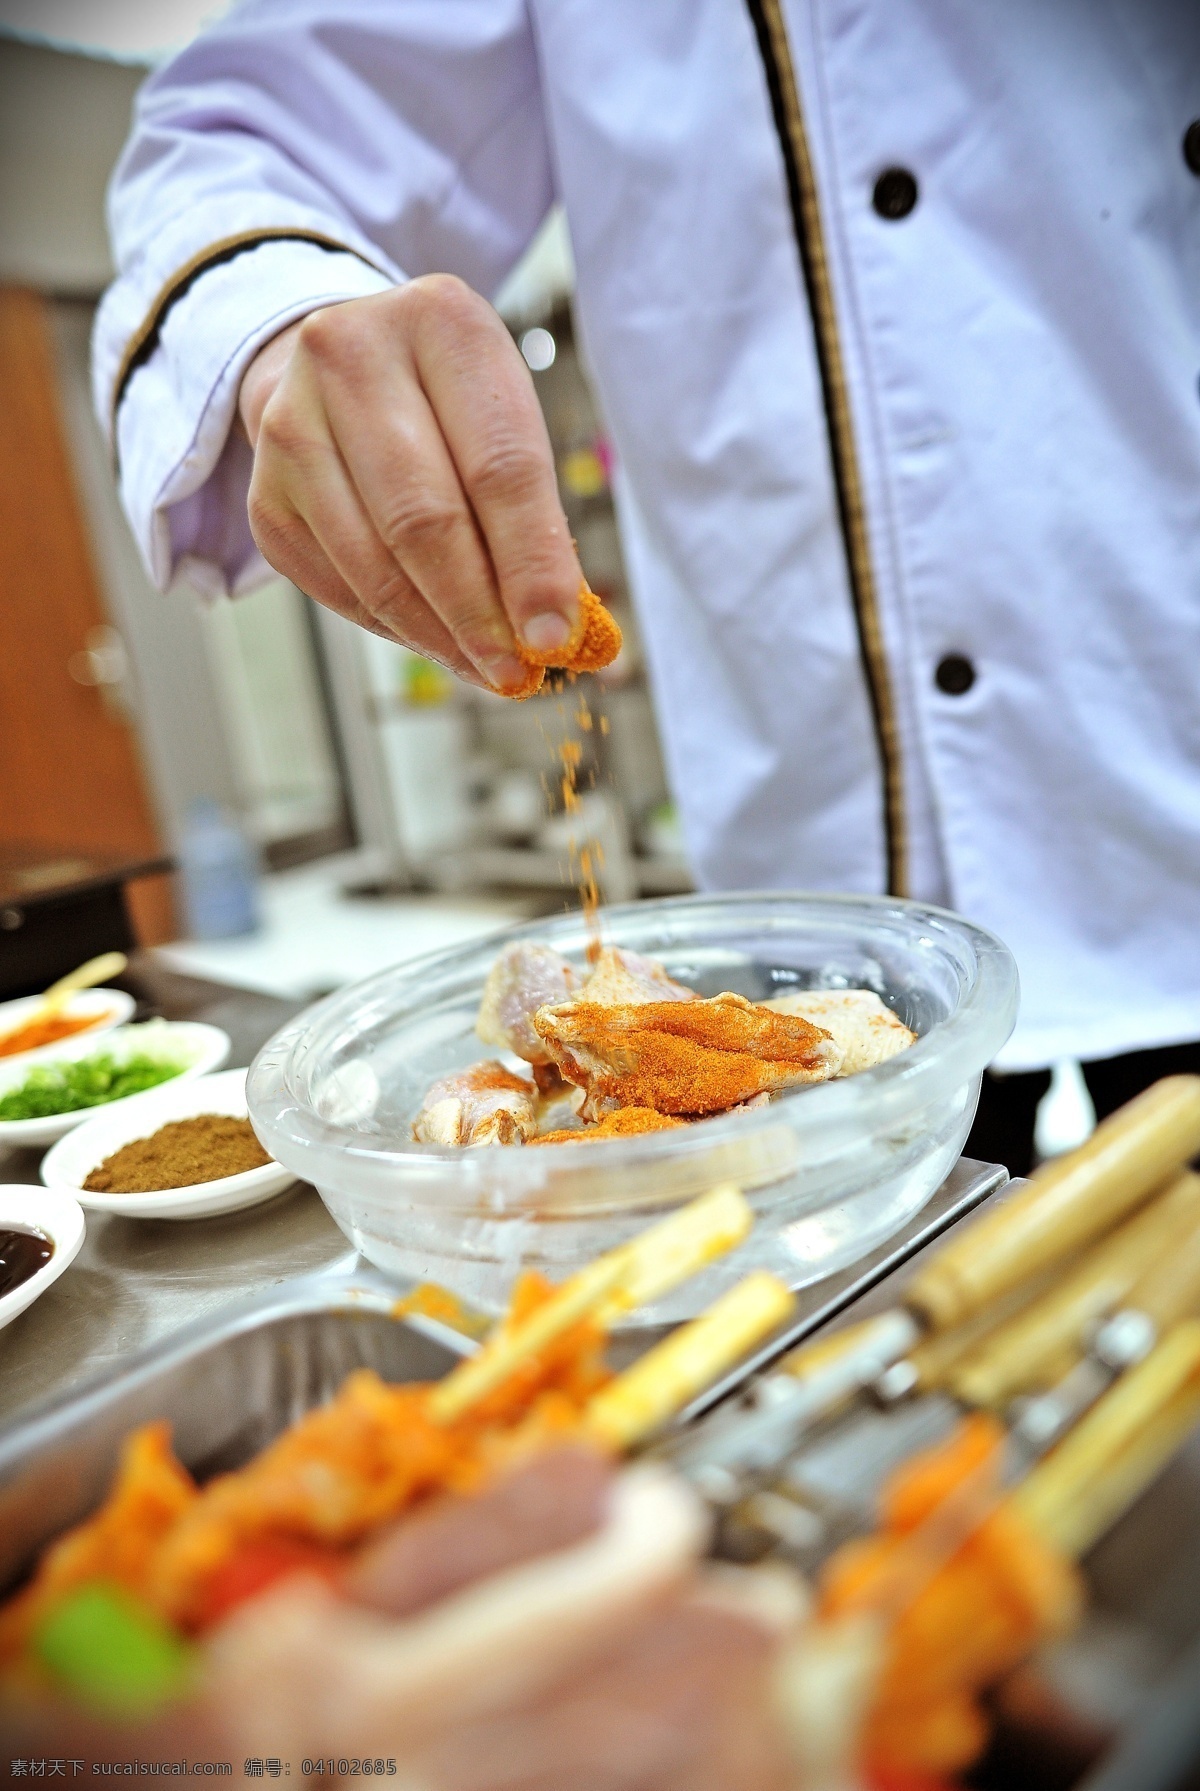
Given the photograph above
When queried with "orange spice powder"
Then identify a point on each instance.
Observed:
(626, 1122)
(687, 1057)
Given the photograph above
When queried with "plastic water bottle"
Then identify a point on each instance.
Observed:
(219, 874)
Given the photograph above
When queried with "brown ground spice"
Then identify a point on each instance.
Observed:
(179, 1155)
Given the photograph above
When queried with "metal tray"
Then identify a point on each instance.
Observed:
(229, 1383)
(227, 1386)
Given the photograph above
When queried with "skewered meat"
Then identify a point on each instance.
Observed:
(691, 1057)
(607, 1661)
(959, 1617)
(485, 1104)
(551, 1631)
(523, 978)
(867, 1031)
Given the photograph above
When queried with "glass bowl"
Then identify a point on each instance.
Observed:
(832, 1168)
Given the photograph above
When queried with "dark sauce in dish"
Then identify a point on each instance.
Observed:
(22, 1254)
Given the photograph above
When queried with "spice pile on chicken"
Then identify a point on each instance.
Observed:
(627, 1049)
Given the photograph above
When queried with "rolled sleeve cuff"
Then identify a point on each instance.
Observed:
(185, 471)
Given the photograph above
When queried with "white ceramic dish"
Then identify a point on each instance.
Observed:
(59, 1218)
(196, 1047)
(73, 1158)
(109, 1007)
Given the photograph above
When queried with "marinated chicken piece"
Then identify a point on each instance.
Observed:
(622, 978)
(867, 1031)
(485, 1104)
(679, 1057)
(523, 978)
(594, 644)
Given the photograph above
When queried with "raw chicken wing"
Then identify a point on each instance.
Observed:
(867, 1031)
(485, 1104)
(523, 978)
(622, 978)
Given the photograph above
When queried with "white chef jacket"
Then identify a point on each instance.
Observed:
(1014, 362)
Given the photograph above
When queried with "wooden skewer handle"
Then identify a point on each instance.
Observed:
(1051, 1334)
(641, 1400)
(1068, 1497)
(1067, 1203)
(1170, 1288)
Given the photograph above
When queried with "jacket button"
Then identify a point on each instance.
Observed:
(895, 193)
(955, 675)
(1191, 146)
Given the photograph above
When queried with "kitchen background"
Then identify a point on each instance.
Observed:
(389, 809)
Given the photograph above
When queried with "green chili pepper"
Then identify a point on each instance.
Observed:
(112, 1653)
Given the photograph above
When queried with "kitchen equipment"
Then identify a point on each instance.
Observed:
(831, 1169)
(58, 906)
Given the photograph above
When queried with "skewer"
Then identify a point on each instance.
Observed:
(641, 1400)
(678, 1247)
(1045, 1340)
(1112, 1454)
(473, 1380)
(1068, 1203)
(660, 1258)
(1167, 1291)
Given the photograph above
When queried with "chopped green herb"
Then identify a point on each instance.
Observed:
(66, 1087)
(111, 1652)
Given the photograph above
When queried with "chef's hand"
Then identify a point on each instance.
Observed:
(403, 476)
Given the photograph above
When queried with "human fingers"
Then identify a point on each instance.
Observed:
(351, 571)
(354, 364)
(482, 395)
(309, 523)
(309, 567)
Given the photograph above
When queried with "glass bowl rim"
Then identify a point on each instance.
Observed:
(941, 1061)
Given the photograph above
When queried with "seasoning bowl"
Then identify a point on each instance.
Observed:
(102, 1008)
(831, 1169)
(68, 1165)
(58, 1218)
(195, 1046)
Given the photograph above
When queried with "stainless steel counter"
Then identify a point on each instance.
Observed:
(137, 1280)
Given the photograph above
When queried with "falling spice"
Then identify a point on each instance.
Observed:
(180, 1155)
(35, 1033)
